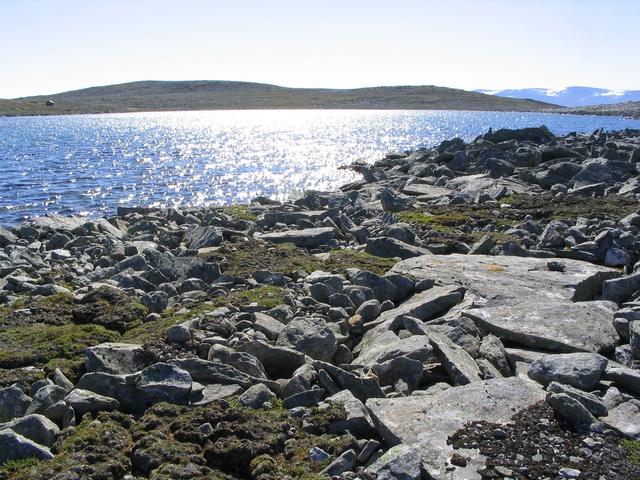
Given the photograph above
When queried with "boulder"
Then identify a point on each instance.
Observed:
(580, 370)
(624, 377)
(202, 237)
(388, 247)
(162, 382)
(426, 421)
(34, 427)
(279, 362)
(256, 396)
(115, 358)
(571, 410)
(14, 446)
(309, 237)
(309, 335)
(13, 403)
(84, 401)
(357, 421)
(460, 366)
(625, 419)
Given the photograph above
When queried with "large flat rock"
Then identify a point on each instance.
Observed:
(501, 279)
(427, 421)
(560, 327)
(426, 191)
(309, 237)
(525, 303)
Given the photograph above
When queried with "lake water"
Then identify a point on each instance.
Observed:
(90, 164)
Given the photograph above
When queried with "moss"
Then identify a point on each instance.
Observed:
(13, 466)
(111, 308)
(38, 344)
(20, 375)
(267, 296)
(341, 259)
(96, 449)
(633, 450)
(240, 212)
(244, 258)
(73, 368)
(444, 223)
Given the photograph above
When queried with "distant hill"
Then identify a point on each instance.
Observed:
(223, 95)
(626, 109)
(570, 96)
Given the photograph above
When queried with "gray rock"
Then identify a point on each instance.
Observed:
(16, 447)
(551, 325)
(202, 237)
(205, 371)
(620, 289)
(162, 382)
(156, 302)
(426, 421)
(361, 387)
(7, 237)
(591, 402)
(482, 246)
(388, 346)
(369, 310)
(634, 338)
(309, 238)
(388, 247)
(357, 421)
(84, 401)
(34, 427)
(393, 202)
(45, 398)
(309, 335)
(400, 462)
(625, 418)
(570, 409)
(13, 403)
(344, 463)
(243, 361)
(580, 370)
(624, 377)
(404, 369)
(256, 396)
(120, 387)
(214, 392)
(382, 288)
(178, 333)
(115, 358)
(61, 380)
(491, 349)
(279, 362)
(267, 325)
(460, 366)
(308, 398)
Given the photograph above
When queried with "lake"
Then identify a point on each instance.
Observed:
(91, 164)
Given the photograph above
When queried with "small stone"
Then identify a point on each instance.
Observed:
(316, 454)
(569, 473)
(458, 460)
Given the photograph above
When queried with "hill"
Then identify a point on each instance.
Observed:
(223, 95)
(626, 109)
(570, 96)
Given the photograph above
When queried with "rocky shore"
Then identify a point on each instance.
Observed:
(463, 312)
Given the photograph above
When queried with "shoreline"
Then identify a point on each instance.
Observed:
(336, 326)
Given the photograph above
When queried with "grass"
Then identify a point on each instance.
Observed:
(38, 344)
(240, 212)
(443, 223)
(633, 450)
(266, 297)
(341, 259)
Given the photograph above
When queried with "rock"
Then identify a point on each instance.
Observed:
(46, 397)
(61, 380)
(616, 257)
(400, 462)
(116, 358)
(625, 418)
(387, 346)
(309, 238)
(423, 306)
(426, 421)
(279, 362)
(591, 402)
(156, 302)
(308, 398)
(244, 362)
(482, 246)
(205, 371)
(580, 370)
(382, 288)
(361, 387)
(344, 463)
(202, 237)
(388, 247)
(13, 403)
(178, 333)
(267, 325)
(256, 396)
(460, 366)
(309, 335)
(634, 338)
(7, 237)
(369, 310)
(162, 382)
(624, 377)
(491, 349)
(552, 325)
(84, 401)
(403, 373)
(392, 202)
(34, 427)
(14, 446)
(619, 289)
(213, 393)
(571, 410)
(357, 421)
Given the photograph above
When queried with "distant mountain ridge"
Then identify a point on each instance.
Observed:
(147, 96)
(570, 96)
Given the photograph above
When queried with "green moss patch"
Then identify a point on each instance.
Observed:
(633, 450)
(38, 344)
(240, 212)
(341, 259)
(267, 296)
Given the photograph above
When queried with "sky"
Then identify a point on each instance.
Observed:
(49, 46)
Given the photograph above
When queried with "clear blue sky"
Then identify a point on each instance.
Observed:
(48, 46)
